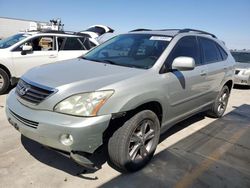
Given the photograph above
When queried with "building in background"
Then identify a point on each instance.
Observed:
(11, 26)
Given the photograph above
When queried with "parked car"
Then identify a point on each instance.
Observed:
(123, 93)
(26, 50)
(242, 70)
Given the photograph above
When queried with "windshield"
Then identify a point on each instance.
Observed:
(242, 57)
(132, 50)
(5, 43)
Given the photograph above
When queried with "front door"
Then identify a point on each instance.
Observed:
(43, 52)
(186, 90)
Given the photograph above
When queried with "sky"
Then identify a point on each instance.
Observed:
(229, 20)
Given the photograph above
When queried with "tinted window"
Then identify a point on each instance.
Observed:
(210, 51)
(92, 45)
(72, 43)
(85, 42)
(60, 41)
(186, 46)
(223, 53)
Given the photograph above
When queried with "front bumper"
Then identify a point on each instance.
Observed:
(242, 79)
(46, 127)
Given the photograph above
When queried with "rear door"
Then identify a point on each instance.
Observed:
(216, 65)
(44, 51)
(186, 90)
(70, 48)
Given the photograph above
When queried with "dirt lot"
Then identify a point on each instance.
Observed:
(198, 152)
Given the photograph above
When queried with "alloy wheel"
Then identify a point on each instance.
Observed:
(142, 140)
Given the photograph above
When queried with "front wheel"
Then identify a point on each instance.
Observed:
(4, 81)
(220, 104)
(132, 146)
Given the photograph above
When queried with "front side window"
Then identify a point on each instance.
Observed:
(132, 50)
(5, 43)
(241, 57)
(210, 51)
(72, 43)
(185, 47)
(44, 43)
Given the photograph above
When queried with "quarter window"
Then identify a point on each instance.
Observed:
(223, 53)
(210, 51)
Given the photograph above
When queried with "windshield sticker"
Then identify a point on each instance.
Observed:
(160, 38)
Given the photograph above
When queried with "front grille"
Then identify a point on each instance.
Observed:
(237, 71)
(24, 121)
(32, 93)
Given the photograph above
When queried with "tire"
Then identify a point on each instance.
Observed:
(4, 81)
(220, 104)
(133, 145)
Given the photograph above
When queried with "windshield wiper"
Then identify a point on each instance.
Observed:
(109, 62)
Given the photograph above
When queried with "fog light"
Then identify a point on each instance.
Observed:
(66, 139)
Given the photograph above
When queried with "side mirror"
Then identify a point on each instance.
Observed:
(183, 63)
(26, 48)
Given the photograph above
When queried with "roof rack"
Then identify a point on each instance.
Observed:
(186, 30)
(140, 29)
(195, 30)
(60, 32)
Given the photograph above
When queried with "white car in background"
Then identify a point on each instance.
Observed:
(26, 50)
(242, 68)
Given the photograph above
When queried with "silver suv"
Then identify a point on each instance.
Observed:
(123, 94)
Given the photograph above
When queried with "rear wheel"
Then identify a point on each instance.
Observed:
(4, 81)
(132, 146)
(220, 104)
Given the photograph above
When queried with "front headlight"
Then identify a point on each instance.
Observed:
(246, 72)
(84, 104)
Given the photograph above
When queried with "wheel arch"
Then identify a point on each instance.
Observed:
(118, 119)
(5, 69)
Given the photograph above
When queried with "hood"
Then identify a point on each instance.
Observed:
(79, 73)
(242, 65)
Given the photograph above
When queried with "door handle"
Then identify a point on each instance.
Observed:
(203, 73)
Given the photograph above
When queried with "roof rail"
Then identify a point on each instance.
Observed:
(140, 29)
(195, 30)
(60, 32)
(168, 29)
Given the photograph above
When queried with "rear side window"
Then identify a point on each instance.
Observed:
(72, 43)
(210, 51)
(186, 46)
